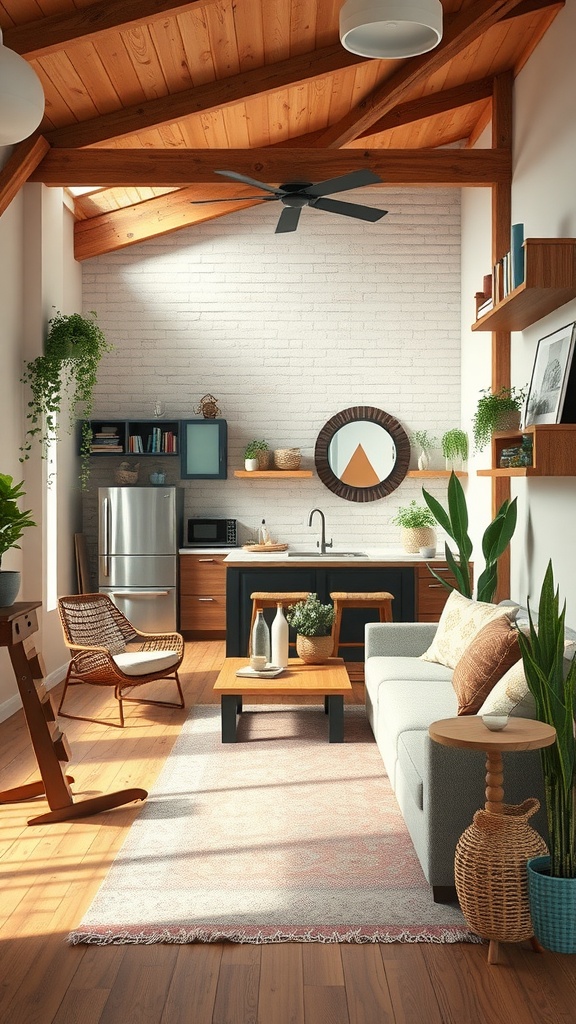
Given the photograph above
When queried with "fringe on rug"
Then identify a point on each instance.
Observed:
(182, 936)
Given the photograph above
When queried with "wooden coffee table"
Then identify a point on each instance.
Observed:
(328, 681)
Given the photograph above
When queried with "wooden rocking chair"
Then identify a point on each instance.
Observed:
(107, 650)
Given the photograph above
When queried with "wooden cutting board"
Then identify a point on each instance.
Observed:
(265, 547)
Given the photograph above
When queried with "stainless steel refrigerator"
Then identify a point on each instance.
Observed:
(138, 533)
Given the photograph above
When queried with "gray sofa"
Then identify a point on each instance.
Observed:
(438, 788)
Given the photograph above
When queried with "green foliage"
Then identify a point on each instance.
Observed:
(13, 522)
(310, 617)
(496, 539)
(491, 406)
(413, 516)
(454, 444)
(542, 655)
(74, 347)
(425, 440)
(253, 447)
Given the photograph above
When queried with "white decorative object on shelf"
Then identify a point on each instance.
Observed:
(279, 638)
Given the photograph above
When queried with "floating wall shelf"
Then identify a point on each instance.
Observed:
(272, 474)
(554, 451)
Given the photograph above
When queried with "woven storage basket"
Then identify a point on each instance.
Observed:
(490, 871)
(553, 907)
(314, 650)
(416, 537)
(126, 476)
(264, 459)
(287, 458)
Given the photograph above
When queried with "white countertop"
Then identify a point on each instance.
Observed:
(370, 556)
(207, 551)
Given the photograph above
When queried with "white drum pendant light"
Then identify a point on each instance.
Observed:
(390, 28)
(21, 97)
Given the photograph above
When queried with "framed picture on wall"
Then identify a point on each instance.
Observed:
(552, 384)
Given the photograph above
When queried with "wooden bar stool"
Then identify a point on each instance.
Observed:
(265, 599)
(381, 600)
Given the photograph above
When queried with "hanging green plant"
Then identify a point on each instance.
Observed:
(492, 407)
(454, 445)
(74, 347)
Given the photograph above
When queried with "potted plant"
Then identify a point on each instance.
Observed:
(256, 455)
(13, 522)
(426, 443)
(552, 880)
(74, 347)
(496, 410)
(495, 540)
(313, 623)
(454, 444)
(417, 524)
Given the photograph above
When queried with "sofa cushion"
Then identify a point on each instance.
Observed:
(411, 763)
(461, 620)
(510, 695)
(492, 652)
(383, 669)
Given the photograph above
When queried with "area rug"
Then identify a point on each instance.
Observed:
(279, 837)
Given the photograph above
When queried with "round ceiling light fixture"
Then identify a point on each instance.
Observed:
(21, 97)
(390, 28)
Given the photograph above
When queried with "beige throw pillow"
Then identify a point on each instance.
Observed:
(461, 620)
(511, 695)
(492, 652)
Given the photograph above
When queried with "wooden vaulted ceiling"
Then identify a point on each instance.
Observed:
(146, 98)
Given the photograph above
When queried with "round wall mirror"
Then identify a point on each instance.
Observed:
(362, 454)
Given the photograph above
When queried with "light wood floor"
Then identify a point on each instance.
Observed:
(49, 875)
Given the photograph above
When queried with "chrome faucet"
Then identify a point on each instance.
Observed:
(322, 543)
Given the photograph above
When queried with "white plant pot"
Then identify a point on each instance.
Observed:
(251, 465)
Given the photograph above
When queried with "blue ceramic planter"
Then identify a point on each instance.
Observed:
(552, 907)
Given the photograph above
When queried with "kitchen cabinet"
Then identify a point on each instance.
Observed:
(204, 449)
(134, 437)
(203, 595)
(431, 596)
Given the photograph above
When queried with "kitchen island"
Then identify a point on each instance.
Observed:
(418, 596)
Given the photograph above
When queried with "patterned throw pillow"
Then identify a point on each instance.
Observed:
(461, 620)
(492, 652)
(511, 695)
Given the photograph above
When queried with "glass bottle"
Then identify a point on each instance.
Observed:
(261, 637)
(279, 636)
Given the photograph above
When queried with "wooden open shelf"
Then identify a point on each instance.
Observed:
(554, 451)
(549, 282)
(429, 473)
(273, 474)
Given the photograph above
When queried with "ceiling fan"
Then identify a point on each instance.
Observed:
(295, 195)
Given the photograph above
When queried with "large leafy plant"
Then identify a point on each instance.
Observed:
(13, 522)
(311, 617)
(497, 536)
(542, 655)
(74, 347)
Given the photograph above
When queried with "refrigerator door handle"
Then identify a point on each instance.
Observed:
(106, 514)
(135, 595)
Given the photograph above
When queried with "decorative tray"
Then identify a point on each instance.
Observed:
(266, 673)
(265, 547)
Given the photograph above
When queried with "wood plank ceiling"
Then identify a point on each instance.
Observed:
(141, 93)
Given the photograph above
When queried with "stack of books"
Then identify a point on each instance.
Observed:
(106, 440)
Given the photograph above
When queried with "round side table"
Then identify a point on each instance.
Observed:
(470, 732)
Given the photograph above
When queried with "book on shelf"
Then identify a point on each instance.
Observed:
(106, 448)
(517, 254)
(484, 307)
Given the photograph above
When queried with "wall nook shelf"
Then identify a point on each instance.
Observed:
(272, 474)
(554, 451)
(549, 282)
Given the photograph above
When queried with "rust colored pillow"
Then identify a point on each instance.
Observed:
(492, 652)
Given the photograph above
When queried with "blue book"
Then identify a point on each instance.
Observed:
(517, 251)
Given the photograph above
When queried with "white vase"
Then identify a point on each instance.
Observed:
(279, 639)
(423, 460)
(251, 464)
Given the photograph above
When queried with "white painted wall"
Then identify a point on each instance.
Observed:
(544, 199)
(287, 330)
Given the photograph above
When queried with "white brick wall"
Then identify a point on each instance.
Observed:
(286, 330)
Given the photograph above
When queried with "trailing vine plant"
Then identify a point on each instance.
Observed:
(73, 349)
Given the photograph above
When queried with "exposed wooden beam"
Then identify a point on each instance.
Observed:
(110, 168)
(431, 105)
(460, 32)
(203, 98)
(47, 35)
(16, 171)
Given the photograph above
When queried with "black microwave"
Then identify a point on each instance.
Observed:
(210, 533)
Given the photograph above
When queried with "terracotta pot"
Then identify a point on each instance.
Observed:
(314, 650)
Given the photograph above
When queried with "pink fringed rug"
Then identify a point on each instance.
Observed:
(280, 837)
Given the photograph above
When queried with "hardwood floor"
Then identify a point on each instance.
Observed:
(49, 874)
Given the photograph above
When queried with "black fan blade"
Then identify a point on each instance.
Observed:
(288, 220)
(348, 209)
(250, 181)
(343, 183)
(235, 199)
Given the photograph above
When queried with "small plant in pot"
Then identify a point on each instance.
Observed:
(552, 880)
(496, 410)
(454, 444)
(417, 524)
(313, 623)
(256, 455)
(13, 522)
(426, 443)
(73, 349)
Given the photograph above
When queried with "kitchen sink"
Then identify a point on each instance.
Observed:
(327, 554)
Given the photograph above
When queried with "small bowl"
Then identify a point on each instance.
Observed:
(495, 722)
(258, 662)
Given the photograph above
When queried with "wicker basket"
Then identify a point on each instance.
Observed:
(287, 458)
(314, 650)
(125, 476)
(264, 459)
